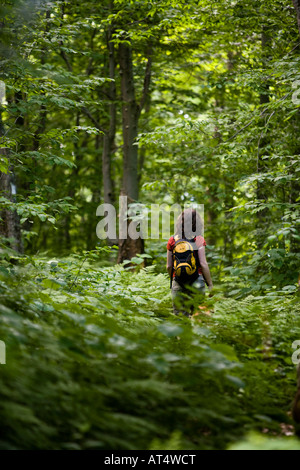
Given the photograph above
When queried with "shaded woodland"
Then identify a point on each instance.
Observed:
(165, 102)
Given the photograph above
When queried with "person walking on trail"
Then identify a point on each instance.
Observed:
(186, 262)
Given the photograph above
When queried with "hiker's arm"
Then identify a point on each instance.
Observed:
(204, 267)
(169, 262)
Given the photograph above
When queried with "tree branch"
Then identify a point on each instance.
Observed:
(94, 121)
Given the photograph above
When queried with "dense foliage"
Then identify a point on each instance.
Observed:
(95, 357)
(97, 360)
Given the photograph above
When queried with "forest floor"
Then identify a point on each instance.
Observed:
(96, 359)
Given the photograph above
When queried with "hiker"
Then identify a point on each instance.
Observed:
(186, 262)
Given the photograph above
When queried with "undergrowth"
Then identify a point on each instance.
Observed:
(95, 359)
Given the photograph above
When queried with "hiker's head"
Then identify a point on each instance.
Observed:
(189, 224)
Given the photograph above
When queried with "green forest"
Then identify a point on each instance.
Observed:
(160, 102)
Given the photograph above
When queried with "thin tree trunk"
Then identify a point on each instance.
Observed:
(142, 150)
(109, 137)
(130, 116)
(295, 185)
(72, 187)
(10, 222)
(211, 216)
(229, 182)
(261, 193)
(297, 8)
(128, 248)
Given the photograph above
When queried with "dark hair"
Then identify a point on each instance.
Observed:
(189, 224)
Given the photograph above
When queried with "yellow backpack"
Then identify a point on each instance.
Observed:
(185, 261)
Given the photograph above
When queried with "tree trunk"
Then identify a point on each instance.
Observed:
(128, 248)
(297, 8)
(131, 112)
(130, 115)
(229, 236)
(261, 193)
(109, 137)
(229, 183)
(142, 150)
(211, 215)
(295, 185)
(10, 222)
